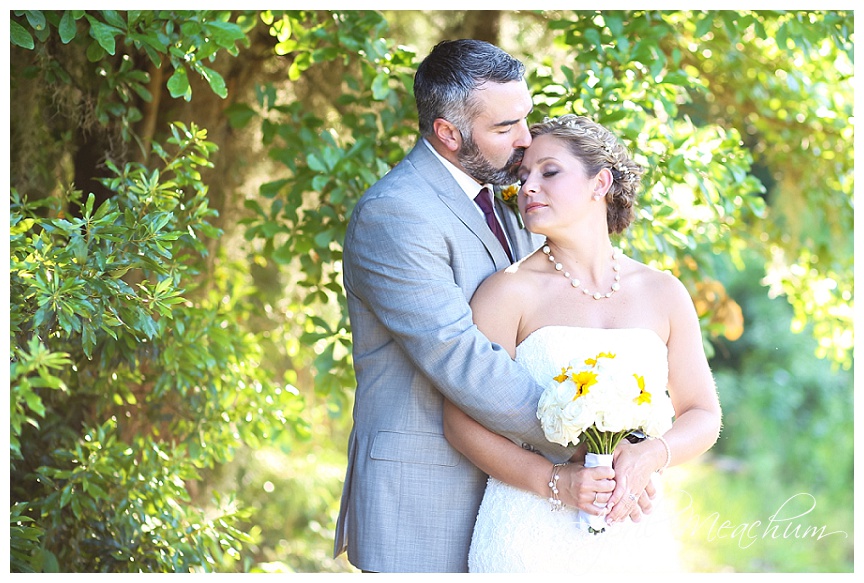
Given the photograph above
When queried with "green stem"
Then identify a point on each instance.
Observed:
(591, 438)
(602, 442)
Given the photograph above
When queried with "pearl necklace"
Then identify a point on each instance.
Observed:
(616, 285)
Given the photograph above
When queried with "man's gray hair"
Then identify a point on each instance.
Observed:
(447, 77)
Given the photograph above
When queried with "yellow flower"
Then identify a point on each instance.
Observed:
(644, 396)
(563, 376)
(509, 192)
(593, 361)
(509, 196)
(583, 380)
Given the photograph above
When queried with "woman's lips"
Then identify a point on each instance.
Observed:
(533, 206)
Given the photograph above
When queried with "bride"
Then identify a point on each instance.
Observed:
(575, 297)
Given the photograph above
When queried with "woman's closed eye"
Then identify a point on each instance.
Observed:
(549, 170)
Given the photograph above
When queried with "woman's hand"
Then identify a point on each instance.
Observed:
(634, 466)
(588, 489)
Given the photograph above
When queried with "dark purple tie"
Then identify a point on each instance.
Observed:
(484, 201)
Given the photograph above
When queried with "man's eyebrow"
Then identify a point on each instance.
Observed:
(509, 122)
(506, 123)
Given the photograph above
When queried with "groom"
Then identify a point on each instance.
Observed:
(417, 247)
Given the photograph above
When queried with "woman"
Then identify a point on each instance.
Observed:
(568, 299)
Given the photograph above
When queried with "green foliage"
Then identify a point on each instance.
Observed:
(725, 528)
(328, 163)
(293, 498)
(770, 390)
(24, 537)
(132, 498)
(785, 82)
(184, 40)
(639, 72)
(788, 427)
(123, 387)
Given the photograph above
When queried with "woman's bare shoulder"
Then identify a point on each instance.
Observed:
(509, 284)
(655, 276)
(662, 288)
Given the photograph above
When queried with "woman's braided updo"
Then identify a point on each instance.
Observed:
(597, 148)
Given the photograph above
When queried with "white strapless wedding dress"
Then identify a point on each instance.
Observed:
(516, 531)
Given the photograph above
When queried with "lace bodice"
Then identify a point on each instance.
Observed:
(515, 529)
(546, 350)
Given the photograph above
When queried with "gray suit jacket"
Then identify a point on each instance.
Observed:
(415, 251)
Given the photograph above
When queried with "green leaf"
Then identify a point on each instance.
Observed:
(19, 36)
(88, 339)
(114, 18)
(66, 495)
(272, 189)
(323, 238)
(315, 163)
(217, 83)
(22, 226)
(88, 208)
(95, 52)
(46, 561)
(225, 34)
(103, 34)
(380, 86)
(68, 27)
(320, 182)
(36, 19)
(592, 35)
(178, 84)
(706, 22)
(301, 62)
(34, 403)
(679, 78)
(284, 254)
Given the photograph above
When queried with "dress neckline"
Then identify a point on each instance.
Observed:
(549, 327)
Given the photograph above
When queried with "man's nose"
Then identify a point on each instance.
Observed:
(524, 138)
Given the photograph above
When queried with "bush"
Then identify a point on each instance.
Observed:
(126, 379)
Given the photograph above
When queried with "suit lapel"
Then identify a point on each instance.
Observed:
(454, 198)
(465, 209)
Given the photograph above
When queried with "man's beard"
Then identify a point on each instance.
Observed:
(481, 170)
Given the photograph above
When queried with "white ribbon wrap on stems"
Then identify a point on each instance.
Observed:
(591, 522)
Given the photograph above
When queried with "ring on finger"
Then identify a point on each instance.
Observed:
(633, 497)
(596, 502)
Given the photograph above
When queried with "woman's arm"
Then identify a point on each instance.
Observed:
(694, 398)
(497, 456)
(507, 462)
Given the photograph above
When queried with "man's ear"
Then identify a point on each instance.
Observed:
(447, 134)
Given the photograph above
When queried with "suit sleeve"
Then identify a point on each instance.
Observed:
(399, 263)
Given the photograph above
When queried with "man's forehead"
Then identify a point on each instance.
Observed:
(503, 104)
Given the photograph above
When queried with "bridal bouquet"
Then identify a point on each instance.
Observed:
(599, 401)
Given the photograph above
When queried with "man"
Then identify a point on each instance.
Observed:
(417, 247)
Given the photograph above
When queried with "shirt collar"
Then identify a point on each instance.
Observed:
(465, 182)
